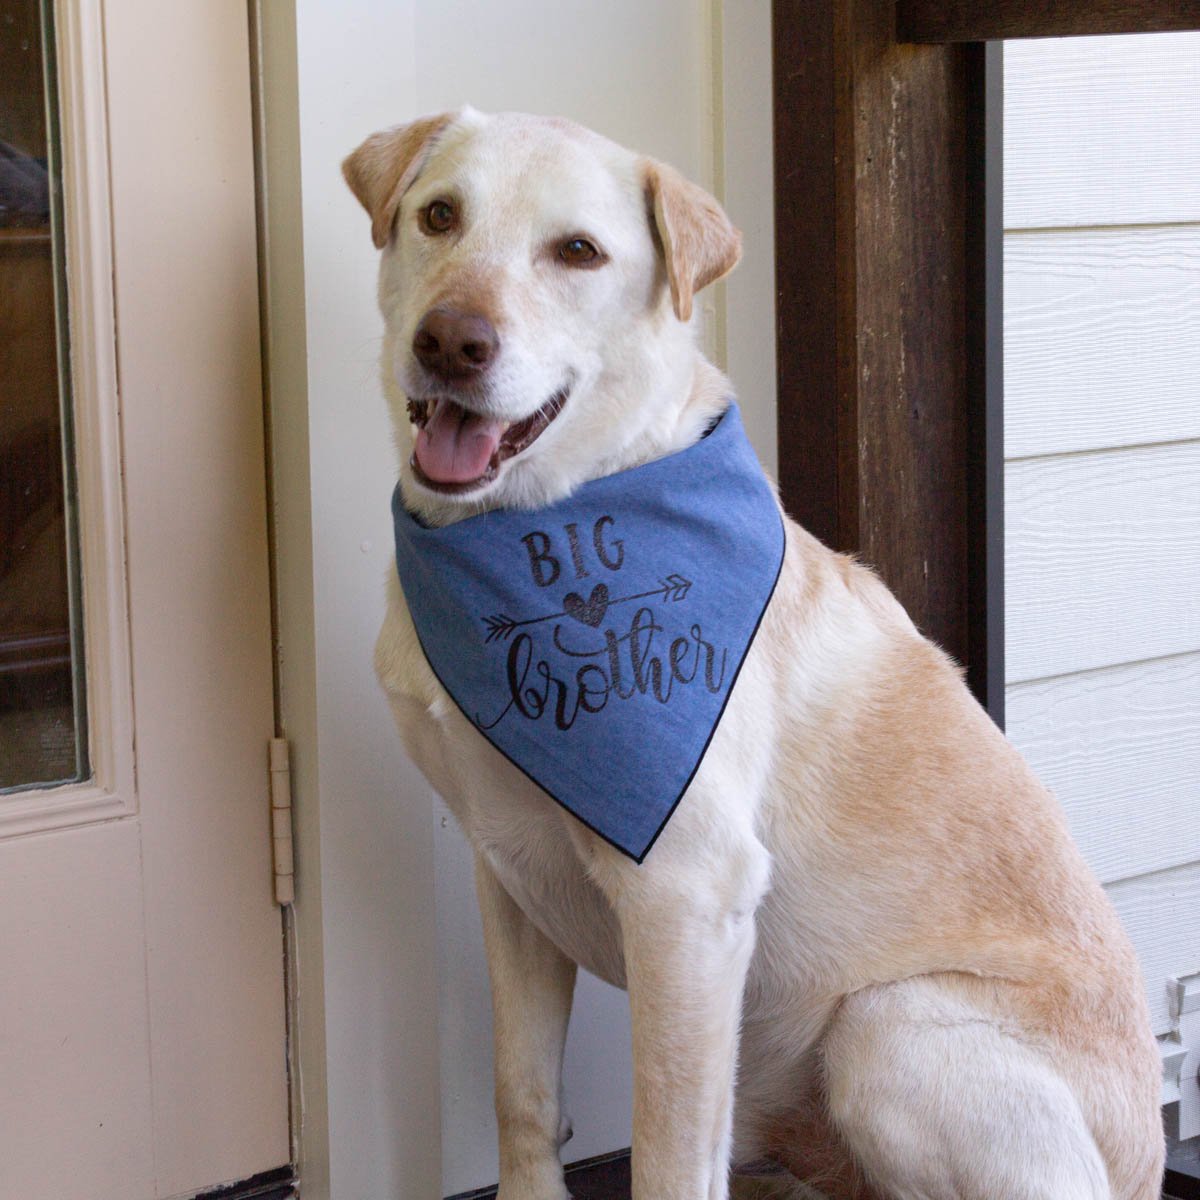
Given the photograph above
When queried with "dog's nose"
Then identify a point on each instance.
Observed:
(453, 344)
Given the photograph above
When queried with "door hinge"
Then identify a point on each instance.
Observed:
(281, 820)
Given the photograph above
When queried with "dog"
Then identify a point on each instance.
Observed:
(863, 952)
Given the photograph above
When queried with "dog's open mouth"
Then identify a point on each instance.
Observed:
(457, 450)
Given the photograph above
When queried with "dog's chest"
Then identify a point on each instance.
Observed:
(522, 834)
(553, 892)
(523, 837)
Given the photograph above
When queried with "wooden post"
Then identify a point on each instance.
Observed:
(880, 180)
(982, 20)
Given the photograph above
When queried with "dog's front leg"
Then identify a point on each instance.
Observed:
(532, 987)
(687, 924)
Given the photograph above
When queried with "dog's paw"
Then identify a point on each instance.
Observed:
(542, 1184)
(526, 1191)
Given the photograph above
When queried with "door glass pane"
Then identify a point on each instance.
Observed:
(41, 694)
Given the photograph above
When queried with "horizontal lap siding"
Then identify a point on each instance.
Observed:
(1102, 131)
(1107, 323)
(1120, 748)
(1102, 442)
(1102, 559)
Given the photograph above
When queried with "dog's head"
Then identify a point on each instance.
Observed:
(536, 285)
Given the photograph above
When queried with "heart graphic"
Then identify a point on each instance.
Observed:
(590, 611)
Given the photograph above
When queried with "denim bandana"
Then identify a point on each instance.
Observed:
(595, 642)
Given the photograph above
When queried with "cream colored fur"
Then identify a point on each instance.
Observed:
(864, 949)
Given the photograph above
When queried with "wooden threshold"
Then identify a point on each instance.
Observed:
(1182, 1181)
(607, 1178)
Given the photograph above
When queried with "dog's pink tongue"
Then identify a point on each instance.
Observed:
(455, 446)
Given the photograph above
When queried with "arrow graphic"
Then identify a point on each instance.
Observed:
(670, 590)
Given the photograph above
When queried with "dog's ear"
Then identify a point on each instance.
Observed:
(383, 168)
(699, 241)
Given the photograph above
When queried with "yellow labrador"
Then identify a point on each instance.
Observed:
(864, 951)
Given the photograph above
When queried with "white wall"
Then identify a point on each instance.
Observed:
(356, 71)
(1102, 442)
(405, 1018)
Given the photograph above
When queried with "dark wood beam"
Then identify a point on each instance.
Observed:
(881, 313)
(975, 21)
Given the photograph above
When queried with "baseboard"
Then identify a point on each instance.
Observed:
(277, 1184)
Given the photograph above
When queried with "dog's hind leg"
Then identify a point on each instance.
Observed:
(939, 1101)
(533, 983)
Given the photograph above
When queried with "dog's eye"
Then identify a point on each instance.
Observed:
(579, 252)
(438, 217)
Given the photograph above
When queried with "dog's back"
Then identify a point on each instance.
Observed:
(919, 846)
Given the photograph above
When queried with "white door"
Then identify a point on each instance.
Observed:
(142, 1049)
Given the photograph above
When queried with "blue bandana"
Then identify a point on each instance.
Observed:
(595, 642)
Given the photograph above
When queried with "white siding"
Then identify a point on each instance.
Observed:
(1102, 131)
(1102, 562)
(1102, 441)
(1107, 322)
(1120, 747)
